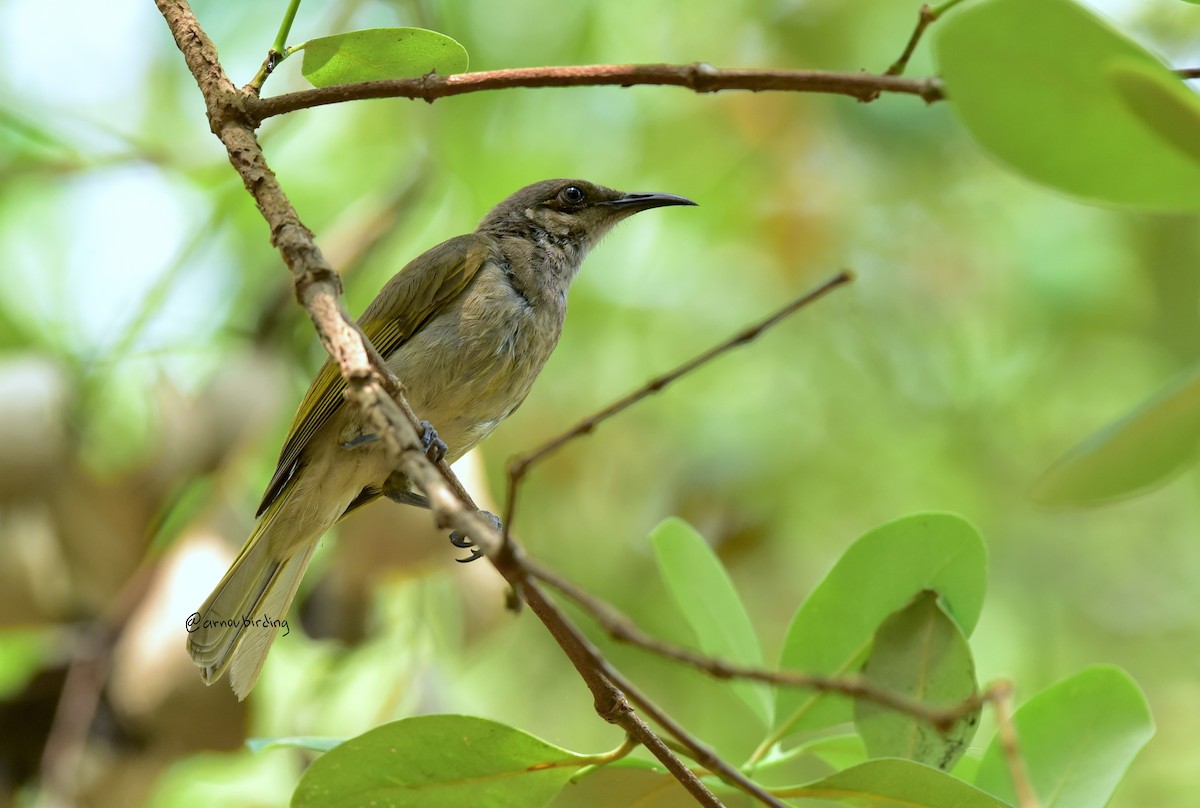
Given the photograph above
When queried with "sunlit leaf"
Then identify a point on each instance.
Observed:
(896, 783)
(438, 761)
(1147, 446)
(881, 572)
(1077, 738)
(919, 652)
(380, 53)
(1030, 81)
(702, 590)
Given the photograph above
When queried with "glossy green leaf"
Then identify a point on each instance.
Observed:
(881, 572)
(919, 652)
(1163, 102)
(702, 590)
(647, 786)
(380, 53)
(1158, 439)
(896, 783)
(1077, 738)
(438, 761)
(1030, 81)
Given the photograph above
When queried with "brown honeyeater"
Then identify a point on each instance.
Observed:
(466, 326)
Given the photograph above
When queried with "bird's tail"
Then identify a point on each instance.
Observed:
(240, 619)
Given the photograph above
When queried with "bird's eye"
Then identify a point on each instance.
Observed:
(572, 195)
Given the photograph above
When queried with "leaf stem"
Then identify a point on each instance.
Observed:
(279, 49)
(285, 27)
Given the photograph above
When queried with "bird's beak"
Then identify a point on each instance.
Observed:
(634, 203)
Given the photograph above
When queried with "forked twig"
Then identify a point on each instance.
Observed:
(519, 465)
(622, 629)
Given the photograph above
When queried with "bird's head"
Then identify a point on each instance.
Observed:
(569, 212)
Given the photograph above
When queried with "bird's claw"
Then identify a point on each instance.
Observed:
(464, 542)
(433, 446)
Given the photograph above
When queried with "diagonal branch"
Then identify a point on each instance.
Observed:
(380, 398)
(622, 629)
(519, 466)
(698, 77)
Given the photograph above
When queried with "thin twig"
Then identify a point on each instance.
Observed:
(519, 466)
(698, 77)
(1000, 695)
(278, 50)
(925, 16)
(622, 629)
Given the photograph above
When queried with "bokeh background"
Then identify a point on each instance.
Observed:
(151, 357)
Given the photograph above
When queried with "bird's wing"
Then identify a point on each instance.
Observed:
(413, 296)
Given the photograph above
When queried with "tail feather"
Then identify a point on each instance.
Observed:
(240, 619)
(252, 653)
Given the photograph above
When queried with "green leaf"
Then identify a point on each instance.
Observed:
(311, 742)
(380, 53)
(919, 652)
(1077, 738)
(1163, 102)
(895, 783)
(438, 761)
(1159, 438)
(1030, 81)
(705, 595)
(881, 572)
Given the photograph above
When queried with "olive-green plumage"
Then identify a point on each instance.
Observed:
(466, 326)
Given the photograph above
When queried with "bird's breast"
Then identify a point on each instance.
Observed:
(470, 366)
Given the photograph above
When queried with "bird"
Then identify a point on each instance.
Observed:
(466, 327)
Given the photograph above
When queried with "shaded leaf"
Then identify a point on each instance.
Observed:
(919, 652)
(702, 590)
(438, 761)
(1159, 438)
(1077, 738)
(375, 54)
(878, 574)
(1163, 102)
(895, 783)
(1029, 79)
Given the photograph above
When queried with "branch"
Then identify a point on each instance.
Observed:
(697, 77)
(622, 629)
(1001, 698)
(379, 396)
(519, 466)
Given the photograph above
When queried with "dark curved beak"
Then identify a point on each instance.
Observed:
(639, 202)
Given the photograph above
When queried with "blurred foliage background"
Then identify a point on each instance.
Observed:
(151, 357)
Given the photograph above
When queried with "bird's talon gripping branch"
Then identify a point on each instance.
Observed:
(433, 446)
(459, 540)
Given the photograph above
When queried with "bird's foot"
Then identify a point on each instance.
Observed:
(433, 446)
(459, 540)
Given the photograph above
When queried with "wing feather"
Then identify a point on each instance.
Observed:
(408, 301)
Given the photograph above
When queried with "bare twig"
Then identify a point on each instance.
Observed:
(927, 15)
(698, 77)
(1000, 695)
(519, 466)
(621, 628)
